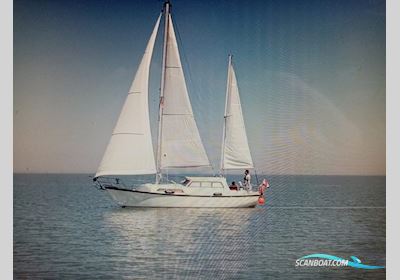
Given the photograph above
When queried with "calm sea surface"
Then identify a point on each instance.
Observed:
(64, 228)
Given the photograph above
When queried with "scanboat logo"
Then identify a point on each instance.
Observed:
(330, 260)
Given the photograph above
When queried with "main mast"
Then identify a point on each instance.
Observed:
(162, 86)
(228, 82)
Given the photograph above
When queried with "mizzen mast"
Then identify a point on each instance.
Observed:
(228, 82)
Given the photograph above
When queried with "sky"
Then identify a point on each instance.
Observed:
(311, 76)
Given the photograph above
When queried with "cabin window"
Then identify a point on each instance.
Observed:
(195, 184)
(217, 185)
(206, 184)
(185, 182)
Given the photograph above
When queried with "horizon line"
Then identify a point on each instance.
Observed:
(188, 174)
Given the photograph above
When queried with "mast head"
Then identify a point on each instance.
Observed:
(167, 2)
(166, 7)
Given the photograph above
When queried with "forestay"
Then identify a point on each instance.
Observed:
(235, 147)
(181, 144)
(130, 150)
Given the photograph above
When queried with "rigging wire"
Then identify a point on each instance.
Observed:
(189, 75)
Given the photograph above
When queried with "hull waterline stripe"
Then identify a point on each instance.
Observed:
(177, 166)
(127, 133)
(187, 195)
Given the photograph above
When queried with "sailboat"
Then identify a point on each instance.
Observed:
(130, 149)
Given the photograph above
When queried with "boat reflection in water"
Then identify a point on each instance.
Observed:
(171, 242)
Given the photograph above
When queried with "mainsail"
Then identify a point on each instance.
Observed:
(235, 147)
(180, 142)
(130, 150)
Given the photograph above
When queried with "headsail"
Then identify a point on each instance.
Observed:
(181, 144)
(235, 147)
(130, 150)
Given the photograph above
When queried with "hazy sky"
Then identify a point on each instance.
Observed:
(311, 76)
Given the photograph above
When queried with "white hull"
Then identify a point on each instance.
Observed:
(135, 198)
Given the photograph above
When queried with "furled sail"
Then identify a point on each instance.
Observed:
(235, 147)
(181, 144)
(130, 150)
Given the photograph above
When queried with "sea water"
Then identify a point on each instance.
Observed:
(65, 228)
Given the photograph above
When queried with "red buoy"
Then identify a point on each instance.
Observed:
(261, 200)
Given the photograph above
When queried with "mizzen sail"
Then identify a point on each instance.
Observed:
(235, 147)
(180, 141)
(130, 150)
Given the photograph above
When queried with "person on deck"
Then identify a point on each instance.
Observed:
(233, 186)
(246, 180)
